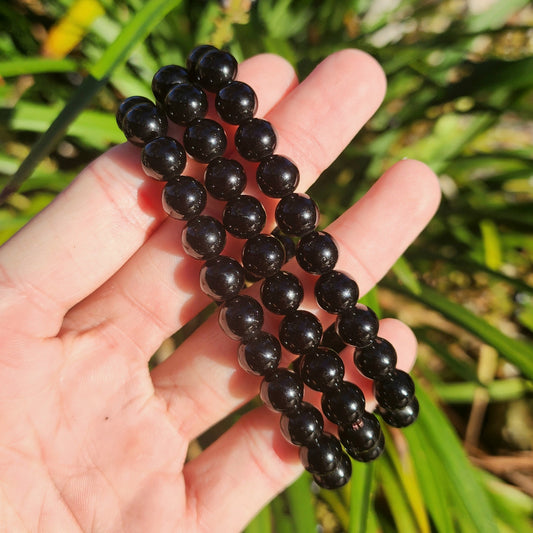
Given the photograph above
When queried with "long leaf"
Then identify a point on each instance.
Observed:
(360, 496)
(515, 351)
(300, 503)
(133, 33)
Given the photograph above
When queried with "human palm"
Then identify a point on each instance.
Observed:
(90, 439)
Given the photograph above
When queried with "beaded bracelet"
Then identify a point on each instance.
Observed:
(180, 95)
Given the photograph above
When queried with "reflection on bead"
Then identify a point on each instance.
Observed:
(215, 69)
(395, 390)
(281, 390)
(400, 418)
(300, 331)
(336, 292)
(244, 217)
(260, 354)
(224, 179)
(185, 103)
(376, 360)
(263, 255)
(127, 104)
(357, 326)
(317, 252)
(322, 369)
(255, 139)
(241, 317)
(296, 214)
(236, 103)
(205, 139)
(183, 197)
(343, 405)
(203, 237)
(221, 278)
(277, 176)
(361, 437)
(166, 78)
(337, 477)
(282, 293)
(302, 426)
(143, 123)
(163, 158)
(322, 455)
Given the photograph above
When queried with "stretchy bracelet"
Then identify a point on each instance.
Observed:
(180, 95)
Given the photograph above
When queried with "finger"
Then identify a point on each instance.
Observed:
(392, 213)
(98, 223)
(244, 469)
(171, 298)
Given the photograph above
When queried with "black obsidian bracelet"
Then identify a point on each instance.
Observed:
(180, 95)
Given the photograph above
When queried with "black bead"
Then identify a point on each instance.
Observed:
(331, 339)
(241, 317)
(205, 139)
(261, 354)
(184, 197)
(143, 123)
(225, 179)
(236, 102)
(282, 293)
(163, 158)
(127, 104)
(337, 477)
(361, 437)
(322, 455)
(358, 325)
(322, 369)
(263, 255)
(376, 360)
(303, 426)
(336, 292)
(185, 103)
(244, 216)
(203, 237)
(288, 243)
(372, 453)
(277, 176)
(281, 390)
(300, 331)
(255, 139)
(195, 55)
(215, 69)
(343, 405)
(317, 252)
(166, 78)
(296, 214)
(221, 278)
(400, 418)
(395, 390)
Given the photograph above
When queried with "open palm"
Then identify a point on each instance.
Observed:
(90, 439)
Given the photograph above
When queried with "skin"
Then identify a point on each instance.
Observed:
(90, 439)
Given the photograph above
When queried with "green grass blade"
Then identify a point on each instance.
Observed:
(144, 21)
(468, 494)
(35, 65)
(500, 391)
(262, 523)
(515, 351)
(281, 522)
(300, 502)
(360, 496)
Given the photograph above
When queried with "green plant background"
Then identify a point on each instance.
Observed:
(460, 98)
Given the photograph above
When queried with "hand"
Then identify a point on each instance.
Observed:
(90, 439)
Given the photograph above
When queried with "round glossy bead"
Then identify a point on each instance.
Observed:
(361, 436)
(296, 214)
(400, 418)
(143, 123)
(244, 216)
(241, 317)
(205, 139)
(236, 102)
(331, 339)
(184, 197)
(277, 176)
(195, 55)
(281, 390)
(185, 103)
(302, 426)
(260, 355)
(221, 278)
(337, 477)
(358, 325)
(322, 455)
(225, 179)
(282, 293)
(372, 453)
(345, 404)
(395, 390)
(288, 243)
(300, 331)
(317, 252)
(203, 237)
(166, 78)
(255, 139)
(163, 158)
(263, 255)
(376, 360)
(215, 69)
(336, 292)
(127, 104)
(322, 369)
